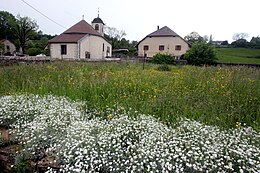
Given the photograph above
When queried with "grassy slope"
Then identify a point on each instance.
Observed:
(238, 55)
(221, 96)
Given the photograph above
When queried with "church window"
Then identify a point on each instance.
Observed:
(63, 49)
(97, 27)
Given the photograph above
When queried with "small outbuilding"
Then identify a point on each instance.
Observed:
(163, 40)
(81, 41)
(8, 47)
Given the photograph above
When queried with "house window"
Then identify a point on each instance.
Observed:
(97, 27)
(103, 47)
(146, 47)
(161, 47)
(7, 48)
(178, 47)
(63, 49)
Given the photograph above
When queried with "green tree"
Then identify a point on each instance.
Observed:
(240, 43)
(24, 28)
(193, 37)
(7, 20)
(255, 42)
(114, 36)
(201, 53)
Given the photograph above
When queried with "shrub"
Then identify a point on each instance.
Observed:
(200, 54)
(33, 51)
(163, 59)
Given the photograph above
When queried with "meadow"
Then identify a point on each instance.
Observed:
(212, 95)
(111, 117)
(238, 55)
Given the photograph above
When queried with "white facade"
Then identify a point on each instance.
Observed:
(99, 27)
(89, 47)
(71, 53)
(171, 45)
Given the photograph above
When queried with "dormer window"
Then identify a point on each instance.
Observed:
(97, 27)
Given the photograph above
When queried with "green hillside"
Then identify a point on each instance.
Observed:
(238, 55)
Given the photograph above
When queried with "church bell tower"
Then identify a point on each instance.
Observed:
(98, 25)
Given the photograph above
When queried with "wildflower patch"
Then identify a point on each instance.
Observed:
(80, 140)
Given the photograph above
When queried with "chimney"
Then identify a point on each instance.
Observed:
(158, 27)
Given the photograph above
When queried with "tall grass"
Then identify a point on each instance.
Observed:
(226, 97)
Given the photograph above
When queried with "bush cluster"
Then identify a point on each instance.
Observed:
(163, 59)
(200, 54)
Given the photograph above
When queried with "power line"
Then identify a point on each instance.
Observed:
(43, 14)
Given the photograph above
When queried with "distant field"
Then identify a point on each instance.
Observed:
(238, 55)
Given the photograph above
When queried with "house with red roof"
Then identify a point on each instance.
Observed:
(81, 41)
(163, 40)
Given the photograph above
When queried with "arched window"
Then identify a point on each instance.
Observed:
(97, 27)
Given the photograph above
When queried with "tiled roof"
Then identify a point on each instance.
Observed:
(67, 38)
(164, 31)
(75, 33)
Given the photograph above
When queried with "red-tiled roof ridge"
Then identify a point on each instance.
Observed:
(164, 31)
(82, 27)
(67, 38)
(75, 33)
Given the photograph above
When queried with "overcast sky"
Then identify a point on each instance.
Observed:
(138, 18)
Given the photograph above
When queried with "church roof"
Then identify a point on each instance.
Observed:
(82, 27)
(67, 38)
(75, 33)
(98, 20)
(164, 31)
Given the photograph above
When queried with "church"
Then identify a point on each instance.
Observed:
(81, 41)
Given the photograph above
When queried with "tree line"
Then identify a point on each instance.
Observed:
(23, 32)
(240, 41)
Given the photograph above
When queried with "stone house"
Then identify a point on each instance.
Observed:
(162, 40)
(9, 47)
(81, 41)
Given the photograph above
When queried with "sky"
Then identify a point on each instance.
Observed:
(138, 18)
